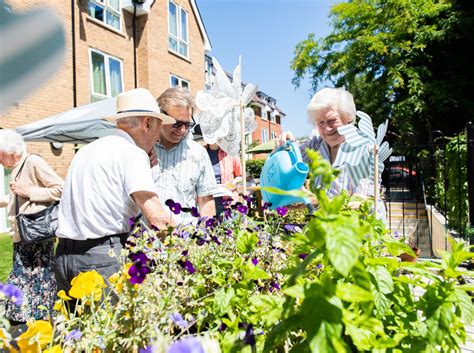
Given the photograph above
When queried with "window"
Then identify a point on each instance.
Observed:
(177, 29)
(274, 135)
(264, 135)
(273, 116)
(176, 81)
(208, 74)
(106, 76)
(107, 11)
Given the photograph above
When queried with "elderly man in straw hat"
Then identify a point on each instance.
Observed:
(109, 182)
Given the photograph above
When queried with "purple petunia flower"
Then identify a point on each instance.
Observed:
(266, 205)
(187, 265)
(282, 211)
(227, 213)
(303, 256)
(175, 207)
(186, 345)
(242, 209)
(147, 349)
(255, 261)
(139, 257)
(274, 286)
(249, 337)
(13, 292)
(201, 241)
(211, 223)
(291, 228)
(185, 253)
(216, 240)
(74, 335)
(178, 320)
(222, 327)
(195, 212)
(248, 199)
(138, 273)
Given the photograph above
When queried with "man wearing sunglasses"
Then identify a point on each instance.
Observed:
(184, 172)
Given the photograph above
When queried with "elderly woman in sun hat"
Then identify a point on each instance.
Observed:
(34, 185)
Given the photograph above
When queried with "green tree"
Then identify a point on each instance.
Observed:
(402, 59)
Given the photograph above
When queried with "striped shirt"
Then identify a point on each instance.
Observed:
(344, 180)
(183, 173)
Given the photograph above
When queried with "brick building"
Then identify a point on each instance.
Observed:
(113, 46)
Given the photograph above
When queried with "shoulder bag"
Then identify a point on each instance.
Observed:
(36, 227)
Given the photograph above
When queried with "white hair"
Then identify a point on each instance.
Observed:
(130, 121)
(12, 142)
(336, 98)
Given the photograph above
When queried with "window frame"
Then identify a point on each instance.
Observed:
(264, 135)
(178, 36)
(108, 88)
(106, 6)
(180, 81)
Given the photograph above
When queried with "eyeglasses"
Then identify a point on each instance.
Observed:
(187, 124)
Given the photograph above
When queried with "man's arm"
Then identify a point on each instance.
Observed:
(152, 209)
(207, 206)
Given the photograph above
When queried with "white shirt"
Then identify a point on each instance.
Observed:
(96, 200)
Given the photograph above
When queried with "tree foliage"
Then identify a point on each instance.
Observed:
(405, 60)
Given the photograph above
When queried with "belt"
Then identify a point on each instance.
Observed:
(73, 245)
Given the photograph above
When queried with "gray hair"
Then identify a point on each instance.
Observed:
(336, 98)
(12, 142)
(175, 97)
(130, 121)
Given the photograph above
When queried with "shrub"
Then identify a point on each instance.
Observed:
(254, 167)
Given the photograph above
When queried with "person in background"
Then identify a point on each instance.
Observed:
(329, 109)
(184, 173)
(227, 170)
(35, 186)
(108, 183)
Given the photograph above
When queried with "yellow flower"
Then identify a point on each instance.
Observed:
(86, 284)
(60, 307)
(5, 339)
(54, 349)
(38, 335)
(118, 279)
(62, 294)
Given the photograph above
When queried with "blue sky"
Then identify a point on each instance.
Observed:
(265, 33)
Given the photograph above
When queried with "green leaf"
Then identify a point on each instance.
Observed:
(246, 241)
(352, 293)
(254, 272)
(269, 308)
(328, 339)
(343, 243)
(294, 193)
(222, 300)
(382, 278)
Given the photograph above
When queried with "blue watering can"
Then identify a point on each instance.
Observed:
(284, 169)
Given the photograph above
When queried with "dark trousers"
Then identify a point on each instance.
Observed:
(76, 256)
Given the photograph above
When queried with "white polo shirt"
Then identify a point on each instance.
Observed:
(96, 200)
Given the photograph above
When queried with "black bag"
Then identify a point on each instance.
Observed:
(36, 227)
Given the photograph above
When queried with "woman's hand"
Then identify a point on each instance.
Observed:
(284, 137)
(20, 189)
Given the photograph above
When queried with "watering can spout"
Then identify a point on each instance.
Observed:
(284, 169)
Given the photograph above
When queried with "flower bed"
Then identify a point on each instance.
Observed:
(240, 284)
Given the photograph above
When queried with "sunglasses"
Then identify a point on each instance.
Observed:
(187, 124)
(178, 123)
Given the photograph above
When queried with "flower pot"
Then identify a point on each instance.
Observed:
(408, 258)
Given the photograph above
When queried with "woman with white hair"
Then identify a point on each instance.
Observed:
(34, 185)
(329, 109)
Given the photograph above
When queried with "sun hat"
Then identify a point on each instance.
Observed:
(138, 102)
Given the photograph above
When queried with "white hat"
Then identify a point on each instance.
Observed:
(138, 102)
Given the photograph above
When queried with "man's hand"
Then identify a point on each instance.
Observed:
(20, 189)
(153, 158)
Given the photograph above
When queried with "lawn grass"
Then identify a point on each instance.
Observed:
(6, 250)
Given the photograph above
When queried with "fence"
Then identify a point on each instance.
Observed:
(429, 189)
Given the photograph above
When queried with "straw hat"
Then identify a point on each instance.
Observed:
(138, 102)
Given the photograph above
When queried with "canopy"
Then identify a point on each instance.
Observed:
(265, 147)
(80, 125)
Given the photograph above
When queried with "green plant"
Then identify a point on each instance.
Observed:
(254, 167)
(451, 165)
(6, 249)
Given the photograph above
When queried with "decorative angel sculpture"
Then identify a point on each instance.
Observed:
(357, 153)
(223, 110)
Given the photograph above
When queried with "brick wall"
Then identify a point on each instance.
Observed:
(154, 62)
